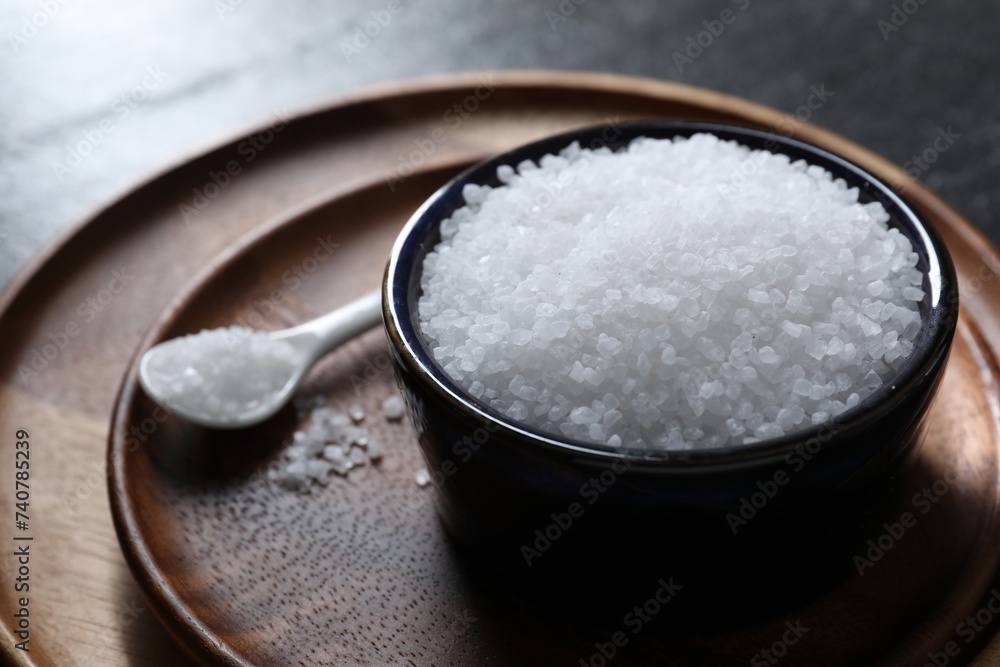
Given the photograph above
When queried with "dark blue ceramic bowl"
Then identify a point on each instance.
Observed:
(502, 487)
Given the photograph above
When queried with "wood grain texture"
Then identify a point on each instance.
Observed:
(406, 598)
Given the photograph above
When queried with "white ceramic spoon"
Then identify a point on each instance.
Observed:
(310, 341)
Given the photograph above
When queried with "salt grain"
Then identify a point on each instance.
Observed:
(393, 408)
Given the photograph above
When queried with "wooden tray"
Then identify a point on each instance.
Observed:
(359, 572)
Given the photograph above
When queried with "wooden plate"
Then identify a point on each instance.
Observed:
(359, 572)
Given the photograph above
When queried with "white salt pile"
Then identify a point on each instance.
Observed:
(221, 372)
(620, 298)
(332, 442)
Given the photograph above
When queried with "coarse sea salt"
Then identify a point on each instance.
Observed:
(221, 372)
(330, 442)
(648, 299)
(393, 408)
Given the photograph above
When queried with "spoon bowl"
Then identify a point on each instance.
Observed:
(308, 343)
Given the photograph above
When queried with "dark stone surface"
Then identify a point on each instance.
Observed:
(229, 63)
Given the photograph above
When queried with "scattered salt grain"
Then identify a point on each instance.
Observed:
(718, 305)
(358, 456)
(318, 470)
(393, 408)
(330, 441)
(333, 453)
(342, 466)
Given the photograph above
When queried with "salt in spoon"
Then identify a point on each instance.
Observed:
(163, 380)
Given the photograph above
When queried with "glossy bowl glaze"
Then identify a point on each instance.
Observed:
(508, 491)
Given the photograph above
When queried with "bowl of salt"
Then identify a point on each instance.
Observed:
(647, 333)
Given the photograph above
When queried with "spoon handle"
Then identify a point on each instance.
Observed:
(335, 328)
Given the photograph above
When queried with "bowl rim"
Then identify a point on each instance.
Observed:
(939, 308)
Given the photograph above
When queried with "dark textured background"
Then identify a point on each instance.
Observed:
(231, 63)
